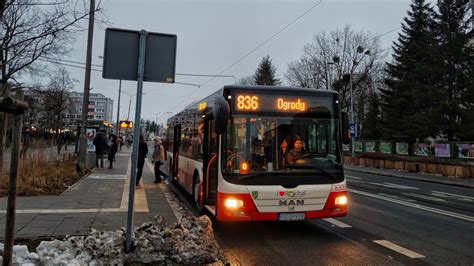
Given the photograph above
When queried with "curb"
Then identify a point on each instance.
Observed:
(428, 180)
(75, 184)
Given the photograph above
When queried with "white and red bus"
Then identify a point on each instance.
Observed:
(230, 152)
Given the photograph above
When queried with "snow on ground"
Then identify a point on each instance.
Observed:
(191, 241)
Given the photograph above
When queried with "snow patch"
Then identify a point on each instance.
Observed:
(191, 241)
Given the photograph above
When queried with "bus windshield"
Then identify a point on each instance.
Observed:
(263, 145)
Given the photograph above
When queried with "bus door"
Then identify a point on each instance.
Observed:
(210, 158)
(176, 146)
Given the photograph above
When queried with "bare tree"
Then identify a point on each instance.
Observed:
(334, 58)
(56, 103)
(31, 30)
(246, 80)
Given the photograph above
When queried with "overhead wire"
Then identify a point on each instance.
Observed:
(257, 47)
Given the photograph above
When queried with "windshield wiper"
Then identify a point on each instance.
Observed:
(322, 170)
(242, 177)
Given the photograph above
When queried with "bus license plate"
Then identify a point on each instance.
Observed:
(291, 216)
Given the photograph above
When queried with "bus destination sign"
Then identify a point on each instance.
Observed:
(248, 102)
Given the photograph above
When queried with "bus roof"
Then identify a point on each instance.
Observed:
(275, 88)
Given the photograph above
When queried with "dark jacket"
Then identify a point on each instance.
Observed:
(100, 143)
(142, 150)
(112, 150)
(293, 155)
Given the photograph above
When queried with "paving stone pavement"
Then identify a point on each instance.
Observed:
(93, 202)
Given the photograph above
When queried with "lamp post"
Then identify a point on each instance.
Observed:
(118, 110)
(336, 60)
(156, 120)
(130, 102)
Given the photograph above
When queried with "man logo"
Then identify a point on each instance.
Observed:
(254, 194)
(291, 202)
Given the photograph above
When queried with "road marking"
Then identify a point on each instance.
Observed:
(99, 176)
(424, 197)
(391, 185)
(399, 249)
(140, 204)
(354, 177)
(417, 206)
(454, 195)
(337, 223)
(395, 197)
(56, 211)
(399, 186)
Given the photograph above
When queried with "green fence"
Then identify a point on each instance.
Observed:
(455, 150)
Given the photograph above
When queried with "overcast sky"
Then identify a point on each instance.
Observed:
(214, 34)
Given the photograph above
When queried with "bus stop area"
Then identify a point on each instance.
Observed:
(99, 200)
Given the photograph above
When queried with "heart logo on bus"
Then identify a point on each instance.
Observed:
(282, 193)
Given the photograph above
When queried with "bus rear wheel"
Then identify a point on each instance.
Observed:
(198, 201)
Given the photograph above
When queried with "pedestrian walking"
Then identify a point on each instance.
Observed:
(158, 159)
(60, 142)
(67, 140)
(142, 152)
(112, 150)
(100, 143)
(120, 142)
(25, 142)
(129, 140)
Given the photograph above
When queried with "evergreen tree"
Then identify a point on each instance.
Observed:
(408, 101)
(265, 73)
(372, 128)
(455, 64)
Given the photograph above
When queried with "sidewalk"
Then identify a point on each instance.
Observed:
(454, 181)
(99, 200)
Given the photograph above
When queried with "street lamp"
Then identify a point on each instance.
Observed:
(359, 50)
(156, 120)
(130, 102)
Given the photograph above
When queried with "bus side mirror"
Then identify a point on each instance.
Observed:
(221, 112)
(345, 128)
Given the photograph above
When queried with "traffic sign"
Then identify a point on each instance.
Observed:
(352, 127)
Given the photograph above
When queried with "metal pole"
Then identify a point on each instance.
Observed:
(129, 103)
(11, 204)
(118, 109)
(136, 137)
(82, 162)
(352, 120)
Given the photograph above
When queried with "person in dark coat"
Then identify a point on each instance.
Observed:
(100, 143)
(142, 152)
(112, 150)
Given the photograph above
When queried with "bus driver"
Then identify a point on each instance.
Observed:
(296, 153)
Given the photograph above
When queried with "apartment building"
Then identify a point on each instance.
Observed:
(100, 108)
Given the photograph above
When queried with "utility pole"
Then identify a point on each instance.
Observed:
(82, 162)
(129, 103)
(352, 119)
(118, 110)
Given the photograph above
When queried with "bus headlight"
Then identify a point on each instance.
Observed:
(340, 200)
(231, 203)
